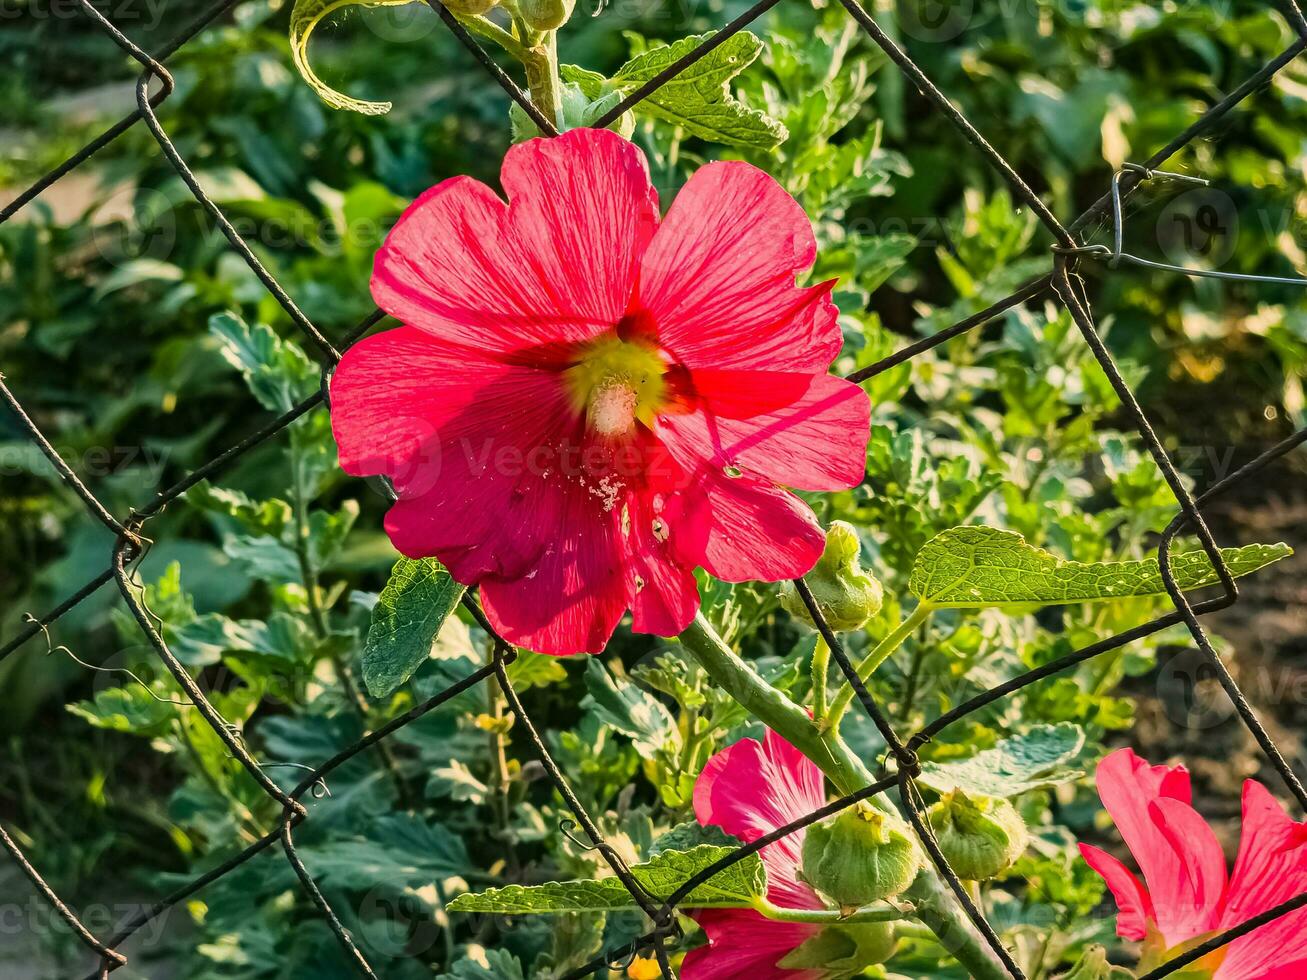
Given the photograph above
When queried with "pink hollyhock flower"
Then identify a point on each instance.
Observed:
(750, 789)
(1185, 896)
(588, 401)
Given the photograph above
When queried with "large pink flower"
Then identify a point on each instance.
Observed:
(1185, 893)
(587, 402)
(750, 789)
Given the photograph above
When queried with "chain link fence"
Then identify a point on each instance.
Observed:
(1062, 284)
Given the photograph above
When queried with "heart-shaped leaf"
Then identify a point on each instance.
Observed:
(409, 613)
(974, 567)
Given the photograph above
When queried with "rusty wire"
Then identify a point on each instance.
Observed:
(1062, 283)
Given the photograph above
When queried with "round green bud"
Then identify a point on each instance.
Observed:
(846, 595)
(980, 836)
(545, 15)
(1093, 965)
(860, 856)
(845, 949)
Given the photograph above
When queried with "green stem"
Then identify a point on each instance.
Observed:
(820, 670)
(873, 660)
(935, 905)
(772, 708)
(880, 912)
(491, 31)
(541, 63)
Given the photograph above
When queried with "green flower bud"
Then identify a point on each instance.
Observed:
(846, 595)
(860, 856)
(577, 111)
(843, 950)
(1094, 966)
(979, 835)
(546, 15)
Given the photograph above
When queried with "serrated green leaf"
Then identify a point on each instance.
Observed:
(304, 19)
(1013, 766)
(535, 670)
(737, 886)
(278, 373)
(974, 567)
(409, 613)
(129, 708)
(699, 99)
(626, 708)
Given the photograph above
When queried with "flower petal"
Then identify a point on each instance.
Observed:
(1191, 905)
(1271, 868)
(556, 264)
(750, 789)
(815, 439)
(393, 393)
(743, 945)
(719, 277)
(741, 529)
(1130, 788)
(1134, 908)
(574, 596)
(662, 592)
(483, 494)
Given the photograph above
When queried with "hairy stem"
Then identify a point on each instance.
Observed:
(541, 63)
(879, 912)
(820, 669)
(873, 660)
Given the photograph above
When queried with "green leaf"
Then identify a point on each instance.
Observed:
(736, 886)
(304, 19)
(400, 851)
(279, 373)
(699, 99)
(1013, 766)
(409, 613)
(129, 708)
(629, 710)
(535, 670)
(973, 567)
(489, 964)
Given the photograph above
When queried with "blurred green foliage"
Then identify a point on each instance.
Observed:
(144, 346)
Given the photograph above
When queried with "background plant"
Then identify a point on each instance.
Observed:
(269, 597)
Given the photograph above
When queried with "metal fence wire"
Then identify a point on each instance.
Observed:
(1062, 284)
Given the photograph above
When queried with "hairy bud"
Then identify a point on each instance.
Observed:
(860, 856)
(846, 595)
(980, 836)
(545, 15)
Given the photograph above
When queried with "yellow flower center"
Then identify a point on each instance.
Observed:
(616, 383)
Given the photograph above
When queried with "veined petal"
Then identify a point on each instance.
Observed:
(804, 431)
(556, 264)
(1188, 904)
(1271, 868)
(1134, 908)
(743, 945)
(394, 393)
(718, 278)
(750, 789)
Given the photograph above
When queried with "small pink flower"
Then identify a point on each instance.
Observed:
(1185, 893)
(588, 401)
(750, 789)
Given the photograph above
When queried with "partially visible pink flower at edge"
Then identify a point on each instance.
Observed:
(748, 790)
(1186, 895)
(587, 401)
